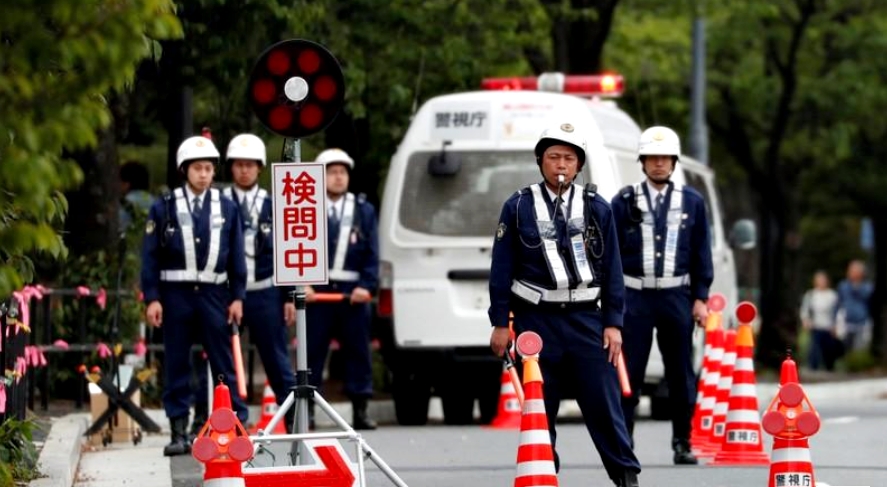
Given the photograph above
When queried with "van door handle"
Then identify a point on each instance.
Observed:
(469, 275)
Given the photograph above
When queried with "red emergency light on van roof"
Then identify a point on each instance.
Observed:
(604, 85)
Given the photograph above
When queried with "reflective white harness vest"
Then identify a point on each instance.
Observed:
(337, 271)
(556, 265)
(249, 239)
(674, 218)
(186, 224)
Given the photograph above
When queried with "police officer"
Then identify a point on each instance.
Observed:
(193, 279)
(556, 267)
(267, 310)
(666, 257)
(354, 271)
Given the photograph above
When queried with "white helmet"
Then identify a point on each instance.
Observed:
(246, 146)
(564, 133)
(196, 147)
(331, 156)
(659, 141)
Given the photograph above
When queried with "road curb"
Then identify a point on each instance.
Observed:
(61, 451)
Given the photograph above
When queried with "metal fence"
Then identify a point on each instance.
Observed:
(31, 348)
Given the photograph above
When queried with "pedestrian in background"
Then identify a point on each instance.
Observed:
(818, 309)
(854, 293)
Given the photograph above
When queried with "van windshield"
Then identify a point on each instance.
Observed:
(468, 203)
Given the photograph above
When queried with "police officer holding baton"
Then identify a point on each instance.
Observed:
(666, 257)
(193, 277)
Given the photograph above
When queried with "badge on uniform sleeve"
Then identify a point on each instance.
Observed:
(500, 232)
(149, 227)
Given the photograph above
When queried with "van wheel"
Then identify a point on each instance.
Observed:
(488, 386)
(411, 394)
(458, 407)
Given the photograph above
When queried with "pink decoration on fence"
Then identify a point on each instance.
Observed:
(103, 350)
(2, 396)
(102, 298)
(60, 344)
(21, 367)
(83, 291)
(35, 356)
(140, 348)
(24, 315)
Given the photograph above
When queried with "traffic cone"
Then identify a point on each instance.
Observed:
(791, 464)
(222, 444)
(701, 433)
(535, 457)
(509, 414)
(269, 408)
(743, 443)
(792, 420)
(725, 383)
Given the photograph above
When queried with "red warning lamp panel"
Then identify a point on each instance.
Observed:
(296, 88)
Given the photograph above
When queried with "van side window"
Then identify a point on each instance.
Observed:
(697, 182)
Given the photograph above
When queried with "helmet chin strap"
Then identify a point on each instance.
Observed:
(658, 181)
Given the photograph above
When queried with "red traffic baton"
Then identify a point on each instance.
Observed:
(238, 361)
(512, 374)
(624, 383)
(330, 297)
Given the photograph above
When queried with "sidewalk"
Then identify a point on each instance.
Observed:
(67, 461)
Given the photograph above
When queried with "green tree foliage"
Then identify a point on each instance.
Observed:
(57, 60)
(392, 57)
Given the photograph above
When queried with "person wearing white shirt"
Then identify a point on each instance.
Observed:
(818, 317)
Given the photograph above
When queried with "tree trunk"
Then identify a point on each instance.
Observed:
(878, 305)
(353, 136)
(777, 332)
(179, 107)
(578, 42)
(92, 223)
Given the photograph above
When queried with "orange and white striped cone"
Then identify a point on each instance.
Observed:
(269, 409)
(725, 383)
(222, 444)
(743, 443)
(791, 463)
(535, 456)
(698, 439)
(792, 420)
(702, 442)
(509, 414)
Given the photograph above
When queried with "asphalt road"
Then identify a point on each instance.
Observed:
(849, 450)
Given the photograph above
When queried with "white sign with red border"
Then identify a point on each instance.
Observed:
(300, 240)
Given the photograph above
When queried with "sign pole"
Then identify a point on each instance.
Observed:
(293, 153)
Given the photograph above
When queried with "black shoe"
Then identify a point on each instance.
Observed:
(628, 479)
(201, 416)
(682, 453)
(179, 444)
(362, 421)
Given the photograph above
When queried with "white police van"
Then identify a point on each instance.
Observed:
(461, 158)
